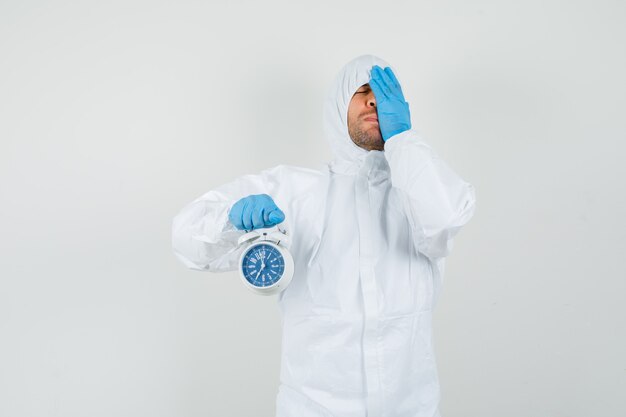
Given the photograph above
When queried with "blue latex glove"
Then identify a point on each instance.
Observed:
(393, 111)
(256, 211)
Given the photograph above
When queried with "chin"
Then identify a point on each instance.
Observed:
(374, 147)
(377, 144)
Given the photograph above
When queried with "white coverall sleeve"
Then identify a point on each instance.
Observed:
(203, 238)
(436, 200)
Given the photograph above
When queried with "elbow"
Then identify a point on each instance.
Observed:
(187, 249)
(438, 242)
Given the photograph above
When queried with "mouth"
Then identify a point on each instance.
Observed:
(372, 118)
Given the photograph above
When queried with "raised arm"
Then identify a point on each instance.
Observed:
(436, 200)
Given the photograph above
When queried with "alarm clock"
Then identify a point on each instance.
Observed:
(265, 265)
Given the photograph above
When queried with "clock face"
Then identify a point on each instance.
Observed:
(263, 265)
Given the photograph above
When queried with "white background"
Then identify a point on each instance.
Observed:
(114, 115)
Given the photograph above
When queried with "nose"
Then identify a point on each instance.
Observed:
(371, 100)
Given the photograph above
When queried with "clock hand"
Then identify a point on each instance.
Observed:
(257, 274)
(262, 264)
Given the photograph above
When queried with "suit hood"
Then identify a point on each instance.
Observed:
(352, 76)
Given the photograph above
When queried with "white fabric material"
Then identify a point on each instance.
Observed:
(370, 231)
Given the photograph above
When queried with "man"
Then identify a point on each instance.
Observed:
(369, 235)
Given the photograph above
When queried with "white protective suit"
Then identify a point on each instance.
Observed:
(369, 235)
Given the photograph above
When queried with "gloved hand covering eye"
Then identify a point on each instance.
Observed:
(393, 111)
(256, 211)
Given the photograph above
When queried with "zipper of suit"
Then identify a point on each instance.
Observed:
(371, 333)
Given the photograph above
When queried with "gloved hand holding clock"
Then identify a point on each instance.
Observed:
(393, 111)
(265, 264)
(255, 211)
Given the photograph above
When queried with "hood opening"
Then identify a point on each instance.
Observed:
(352, 76)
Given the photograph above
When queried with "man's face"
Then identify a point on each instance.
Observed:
(363, 120)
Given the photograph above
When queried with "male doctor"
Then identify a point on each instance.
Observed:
(370, 231)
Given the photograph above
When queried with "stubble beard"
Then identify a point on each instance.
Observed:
(369, 139)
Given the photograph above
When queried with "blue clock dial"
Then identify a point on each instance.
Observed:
(263, 265)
